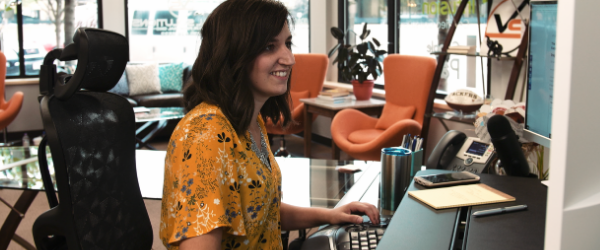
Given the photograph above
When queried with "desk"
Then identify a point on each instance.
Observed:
(306, 182)
(329, 109)
(415, 225)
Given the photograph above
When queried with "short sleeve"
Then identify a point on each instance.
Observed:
(201, 183)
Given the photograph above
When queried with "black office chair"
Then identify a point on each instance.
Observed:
(91, 134)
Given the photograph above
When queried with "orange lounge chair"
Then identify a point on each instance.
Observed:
(8, 109)
(308, 76)
(407, 84)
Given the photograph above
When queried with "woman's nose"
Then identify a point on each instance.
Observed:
(287, 58)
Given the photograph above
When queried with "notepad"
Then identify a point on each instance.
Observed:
(460, 196)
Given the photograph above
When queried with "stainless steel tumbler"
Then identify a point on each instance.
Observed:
(395, 176)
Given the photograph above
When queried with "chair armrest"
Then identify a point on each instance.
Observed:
(11, 109)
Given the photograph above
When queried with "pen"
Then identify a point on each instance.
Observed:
(499, 210)
(403, 141)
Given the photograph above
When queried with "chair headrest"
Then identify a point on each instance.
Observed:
(101, 59)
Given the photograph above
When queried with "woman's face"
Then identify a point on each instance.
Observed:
(273, 66)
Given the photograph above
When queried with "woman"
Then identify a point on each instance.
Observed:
(222, 187)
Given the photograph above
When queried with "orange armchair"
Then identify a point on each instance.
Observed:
(8, 110)
(308, 76)
(407, 84)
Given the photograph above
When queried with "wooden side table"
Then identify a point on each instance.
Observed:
(329, 109)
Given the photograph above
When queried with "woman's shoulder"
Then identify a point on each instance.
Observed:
(204, 118)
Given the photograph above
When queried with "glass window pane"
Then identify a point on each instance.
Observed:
(169, 31)
(10, 41)
(374, 13)
(424, 25)
(166, 31)
(299, 9)
(45, 23)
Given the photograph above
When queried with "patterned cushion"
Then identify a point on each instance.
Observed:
(143, 79)
(122, 88)
(171, 76)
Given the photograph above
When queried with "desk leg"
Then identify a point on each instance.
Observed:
(14, 219)
(335, 151)
(307, 131)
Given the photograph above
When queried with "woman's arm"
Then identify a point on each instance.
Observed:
(293, 217)
(211, 240)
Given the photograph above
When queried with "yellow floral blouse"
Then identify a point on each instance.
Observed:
(213, 179)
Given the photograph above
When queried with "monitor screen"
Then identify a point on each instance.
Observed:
(540, 79)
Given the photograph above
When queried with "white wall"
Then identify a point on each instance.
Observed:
(113, 18)
(29, 117)
(573, 220)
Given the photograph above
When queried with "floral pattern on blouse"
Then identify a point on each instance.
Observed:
(213, 179)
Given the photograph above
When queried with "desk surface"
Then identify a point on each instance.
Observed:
(415, 225)
(306, 182)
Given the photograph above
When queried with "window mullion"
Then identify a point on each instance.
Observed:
(20, 35)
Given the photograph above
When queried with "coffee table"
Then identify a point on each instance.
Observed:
(156, 119)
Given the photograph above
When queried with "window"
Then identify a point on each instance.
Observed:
(421, 29)
(36, 27)
(169, 31)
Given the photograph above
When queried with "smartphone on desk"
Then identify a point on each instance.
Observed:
(446, 179)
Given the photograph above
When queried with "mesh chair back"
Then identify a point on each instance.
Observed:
(91, 135)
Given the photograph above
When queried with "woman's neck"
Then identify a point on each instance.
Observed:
(257, 106)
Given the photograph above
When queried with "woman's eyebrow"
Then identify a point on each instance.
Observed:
(274, 39)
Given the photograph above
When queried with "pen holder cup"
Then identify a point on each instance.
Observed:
(416, 163)
(396, 175)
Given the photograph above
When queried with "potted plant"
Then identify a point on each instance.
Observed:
(357, 62)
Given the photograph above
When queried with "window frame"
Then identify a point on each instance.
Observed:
(19, 16)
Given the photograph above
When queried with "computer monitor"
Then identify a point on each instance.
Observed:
(540, 74)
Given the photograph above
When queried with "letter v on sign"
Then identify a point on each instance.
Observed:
(510, 23)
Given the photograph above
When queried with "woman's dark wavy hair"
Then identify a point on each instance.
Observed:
(233, 36)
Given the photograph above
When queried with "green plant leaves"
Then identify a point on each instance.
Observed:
(334, 49)
(359, 61)
(376, 42)
(337, 33)
(365, 33)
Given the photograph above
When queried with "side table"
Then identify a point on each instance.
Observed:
(330, 109)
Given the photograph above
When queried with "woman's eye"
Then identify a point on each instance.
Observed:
(270, 47)
(288, 45)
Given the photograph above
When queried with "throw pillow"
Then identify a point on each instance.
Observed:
(143, 79)
(171, 76)
(122, 88)
(393, 113)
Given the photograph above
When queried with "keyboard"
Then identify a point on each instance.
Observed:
(348, 236)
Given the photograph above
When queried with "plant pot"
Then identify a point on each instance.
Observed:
(364, 90)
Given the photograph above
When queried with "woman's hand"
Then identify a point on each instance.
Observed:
(344, 214)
